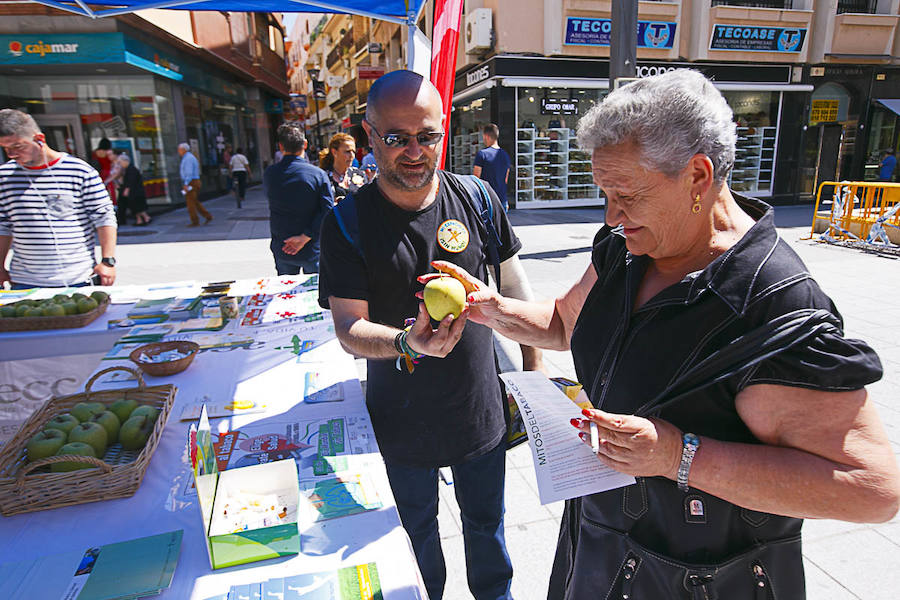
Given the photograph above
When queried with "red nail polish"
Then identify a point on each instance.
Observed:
(575, 422)
(585, 412)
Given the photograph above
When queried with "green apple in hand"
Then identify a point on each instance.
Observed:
(92, 434)
(44, 444)
(73, 448)
(443, 296)
(123, 408)
(64, 422)
(146, 409)
(110, 423)
(83, 411)
(136, 431)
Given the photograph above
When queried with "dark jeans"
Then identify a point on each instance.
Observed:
(240, 178)
(478, 484)
(293, 268)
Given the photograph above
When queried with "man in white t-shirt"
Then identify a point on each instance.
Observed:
(53, 209)
(240, 170)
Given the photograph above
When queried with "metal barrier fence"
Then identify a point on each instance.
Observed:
(860, 212)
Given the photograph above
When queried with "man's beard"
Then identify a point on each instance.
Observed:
(406, 181)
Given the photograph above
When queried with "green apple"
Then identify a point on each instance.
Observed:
(83, 411)
(99, 296)
(54, 310)
(33, 311)
(44, 444)
(443, 296)
(21, 309)
(78, 296)
(86, 305)
(92, 434)
(70, 449)
(60, 298)
(110, 423)
(123, 408)
(135, 432)
(146, 409)
(64, 422)
(8, 310)
(70, 307)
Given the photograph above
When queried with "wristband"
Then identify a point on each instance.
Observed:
(407, 355)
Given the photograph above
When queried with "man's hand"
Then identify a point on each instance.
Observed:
(435, 342)
(107, 274)
(295, 244)
(634, 445)
(5, 281)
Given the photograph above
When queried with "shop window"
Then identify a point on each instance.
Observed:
(857, 6)
(783, 4)
(756, 116)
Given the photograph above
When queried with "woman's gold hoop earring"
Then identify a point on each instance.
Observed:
(696, 207)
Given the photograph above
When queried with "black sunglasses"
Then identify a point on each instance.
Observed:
(400, 140)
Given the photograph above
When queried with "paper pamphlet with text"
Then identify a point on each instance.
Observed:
(564, 465)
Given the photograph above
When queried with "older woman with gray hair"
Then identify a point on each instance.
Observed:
(717, 367)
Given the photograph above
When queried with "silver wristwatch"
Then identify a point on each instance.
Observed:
(690, 443)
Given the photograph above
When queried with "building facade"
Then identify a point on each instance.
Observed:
(811, 83)
(148, 82)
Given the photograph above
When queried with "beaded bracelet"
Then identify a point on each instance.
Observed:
(407, 355)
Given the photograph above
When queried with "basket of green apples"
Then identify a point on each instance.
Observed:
(85, 447)
(62, 311)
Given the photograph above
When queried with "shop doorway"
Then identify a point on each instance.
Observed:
(63, 133)
(831, 136)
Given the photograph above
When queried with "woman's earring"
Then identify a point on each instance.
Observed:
(696, 207)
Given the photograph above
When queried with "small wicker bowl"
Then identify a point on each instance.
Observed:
(163, 369)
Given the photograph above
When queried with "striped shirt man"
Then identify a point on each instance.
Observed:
(51, 213)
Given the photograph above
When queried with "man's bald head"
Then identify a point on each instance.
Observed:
(401, 88)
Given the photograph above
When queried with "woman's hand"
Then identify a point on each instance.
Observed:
(435, 342)
(634, 445)
(482, 303)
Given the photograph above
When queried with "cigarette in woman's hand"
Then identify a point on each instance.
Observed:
(595, 438)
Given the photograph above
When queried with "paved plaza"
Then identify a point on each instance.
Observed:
(843, 560)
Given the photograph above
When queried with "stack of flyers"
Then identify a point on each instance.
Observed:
(121, 351)
(359, 582)
(341, 496)
(150, 307)
(182, 308)
(147, 333)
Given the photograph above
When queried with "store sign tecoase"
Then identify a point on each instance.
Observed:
(554, 106)
(757, 39)
(582, 31)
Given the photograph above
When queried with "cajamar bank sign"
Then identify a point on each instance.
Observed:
(42, 49)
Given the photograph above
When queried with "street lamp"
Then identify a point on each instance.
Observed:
(314, 77)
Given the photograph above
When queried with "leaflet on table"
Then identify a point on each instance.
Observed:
(320, 446)
(8, 296)
(130, 294)
(340, 496)
(191, 412)
(274, 285)
(565, 466)
(288, 307)
(358, 582)
(132, 569)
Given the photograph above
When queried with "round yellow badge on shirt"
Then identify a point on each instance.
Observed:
(453, 236)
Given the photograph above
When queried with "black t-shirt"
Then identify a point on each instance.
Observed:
(449, 410)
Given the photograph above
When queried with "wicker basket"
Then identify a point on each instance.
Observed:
(164, 369)
(66, 322)
(28, 487)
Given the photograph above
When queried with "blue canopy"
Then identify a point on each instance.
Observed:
(396, 11)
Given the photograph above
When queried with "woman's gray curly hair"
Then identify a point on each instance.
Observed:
(671, 117)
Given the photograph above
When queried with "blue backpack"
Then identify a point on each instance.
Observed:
(347, 217)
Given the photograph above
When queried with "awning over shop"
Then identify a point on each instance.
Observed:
(891, 104)
(397, 11)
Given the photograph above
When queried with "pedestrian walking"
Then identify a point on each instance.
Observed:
(54, 209)
(887, 166)
(433, 394)
(369, 164)
(299, 198)
(492, 163)
(240, 171)
(190, 185)
(132, 196)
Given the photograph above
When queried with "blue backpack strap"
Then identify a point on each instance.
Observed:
(347, 218)
(478, 196)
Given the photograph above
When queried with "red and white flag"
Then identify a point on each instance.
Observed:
(445, 38)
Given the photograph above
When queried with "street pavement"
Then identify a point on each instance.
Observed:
(843, 560)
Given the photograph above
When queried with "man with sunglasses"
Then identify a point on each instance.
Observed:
(448, 408)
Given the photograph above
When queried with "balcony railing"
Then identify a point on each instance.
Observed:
(783, 4)
(347, 40)
(856, 6)
(333, 57)
(348, 90)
